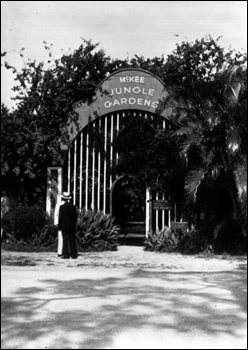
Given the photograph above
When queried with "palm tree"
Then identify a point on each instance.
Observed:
(214, 135)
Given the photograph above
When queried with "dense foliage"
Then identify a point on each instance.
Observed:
(46, 93)
(161, 241)
(28, 228)
(150, 156)
(209, 95)
(192, 242)
(44, 239)
(208, 92)
(96, 231)
(24, 221)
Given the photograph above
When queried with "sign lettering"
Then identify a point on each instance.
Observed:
(161, 204)
(132, 79)
(126, 93)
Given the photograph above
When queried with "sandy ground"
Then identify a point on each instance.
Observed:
(128, 299)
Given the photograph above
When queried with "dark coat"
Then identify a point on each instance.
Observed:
(67, 217)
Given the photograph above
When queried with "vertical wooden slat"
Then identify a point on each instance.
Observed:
(93, 173)
(117, 130)
(111, 147)
(75, 171)
(81, 172)
(169, 216)
(105, 165)
(99, 176)
(69, 169)
(157, 227)
(48, 192)
(87, 171)
(163, 214)
(147, 211)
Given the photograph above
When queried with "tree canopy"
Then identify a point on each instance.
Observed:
(207, 89)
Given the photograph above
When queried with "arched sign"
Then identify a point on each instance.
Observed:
(127, 89)
(130, 89)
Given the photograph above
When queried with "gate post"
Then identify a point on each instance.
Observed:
(54, 188)
(148, 211)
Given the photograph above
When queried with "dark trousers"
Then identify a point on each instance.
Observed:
(69, 243)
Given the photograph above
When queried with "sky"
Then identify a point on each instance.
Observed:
(122, 28)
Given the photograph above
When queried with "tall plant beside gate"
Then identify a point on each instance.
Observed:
(96, 231)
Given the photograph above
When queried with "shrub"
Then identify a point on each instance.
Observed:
(26, 221)
(161, 241)
(169, 240)
(96, 231)
(228, 237)
(44, 239)
(192, 243)
(179, 229)
(225, 233)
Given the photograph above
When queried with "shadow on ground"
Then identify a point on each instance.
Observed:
(152, 309)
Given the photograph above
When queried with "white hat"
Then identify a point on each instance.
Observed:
(66, 195)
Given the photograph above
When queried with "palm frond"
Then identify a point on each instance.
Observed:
(193, 182)
(186, 130)
(233, 140)
(235, 93)
(241, 179)
(192, 139)
(215, 171)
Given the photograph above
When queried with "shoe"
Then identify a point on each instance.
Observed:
(59, 255)
(73, 257)
(64, 257)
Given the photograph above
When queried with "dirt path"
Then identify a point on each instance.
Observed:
(129, 299)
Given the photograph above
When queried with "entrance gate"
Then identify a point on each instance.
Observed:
(87, 172)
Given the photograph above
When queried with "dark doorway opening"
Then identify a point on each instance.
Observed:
(128, 209)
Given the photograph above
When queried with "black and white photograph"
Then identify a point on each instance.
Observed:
(123, 174)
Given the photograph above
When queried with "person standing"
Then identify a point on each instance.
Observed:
(67, 224)
(56, 222)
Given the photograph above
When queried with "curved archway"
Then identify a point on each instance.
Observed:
(87, 170)
(125, 90)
